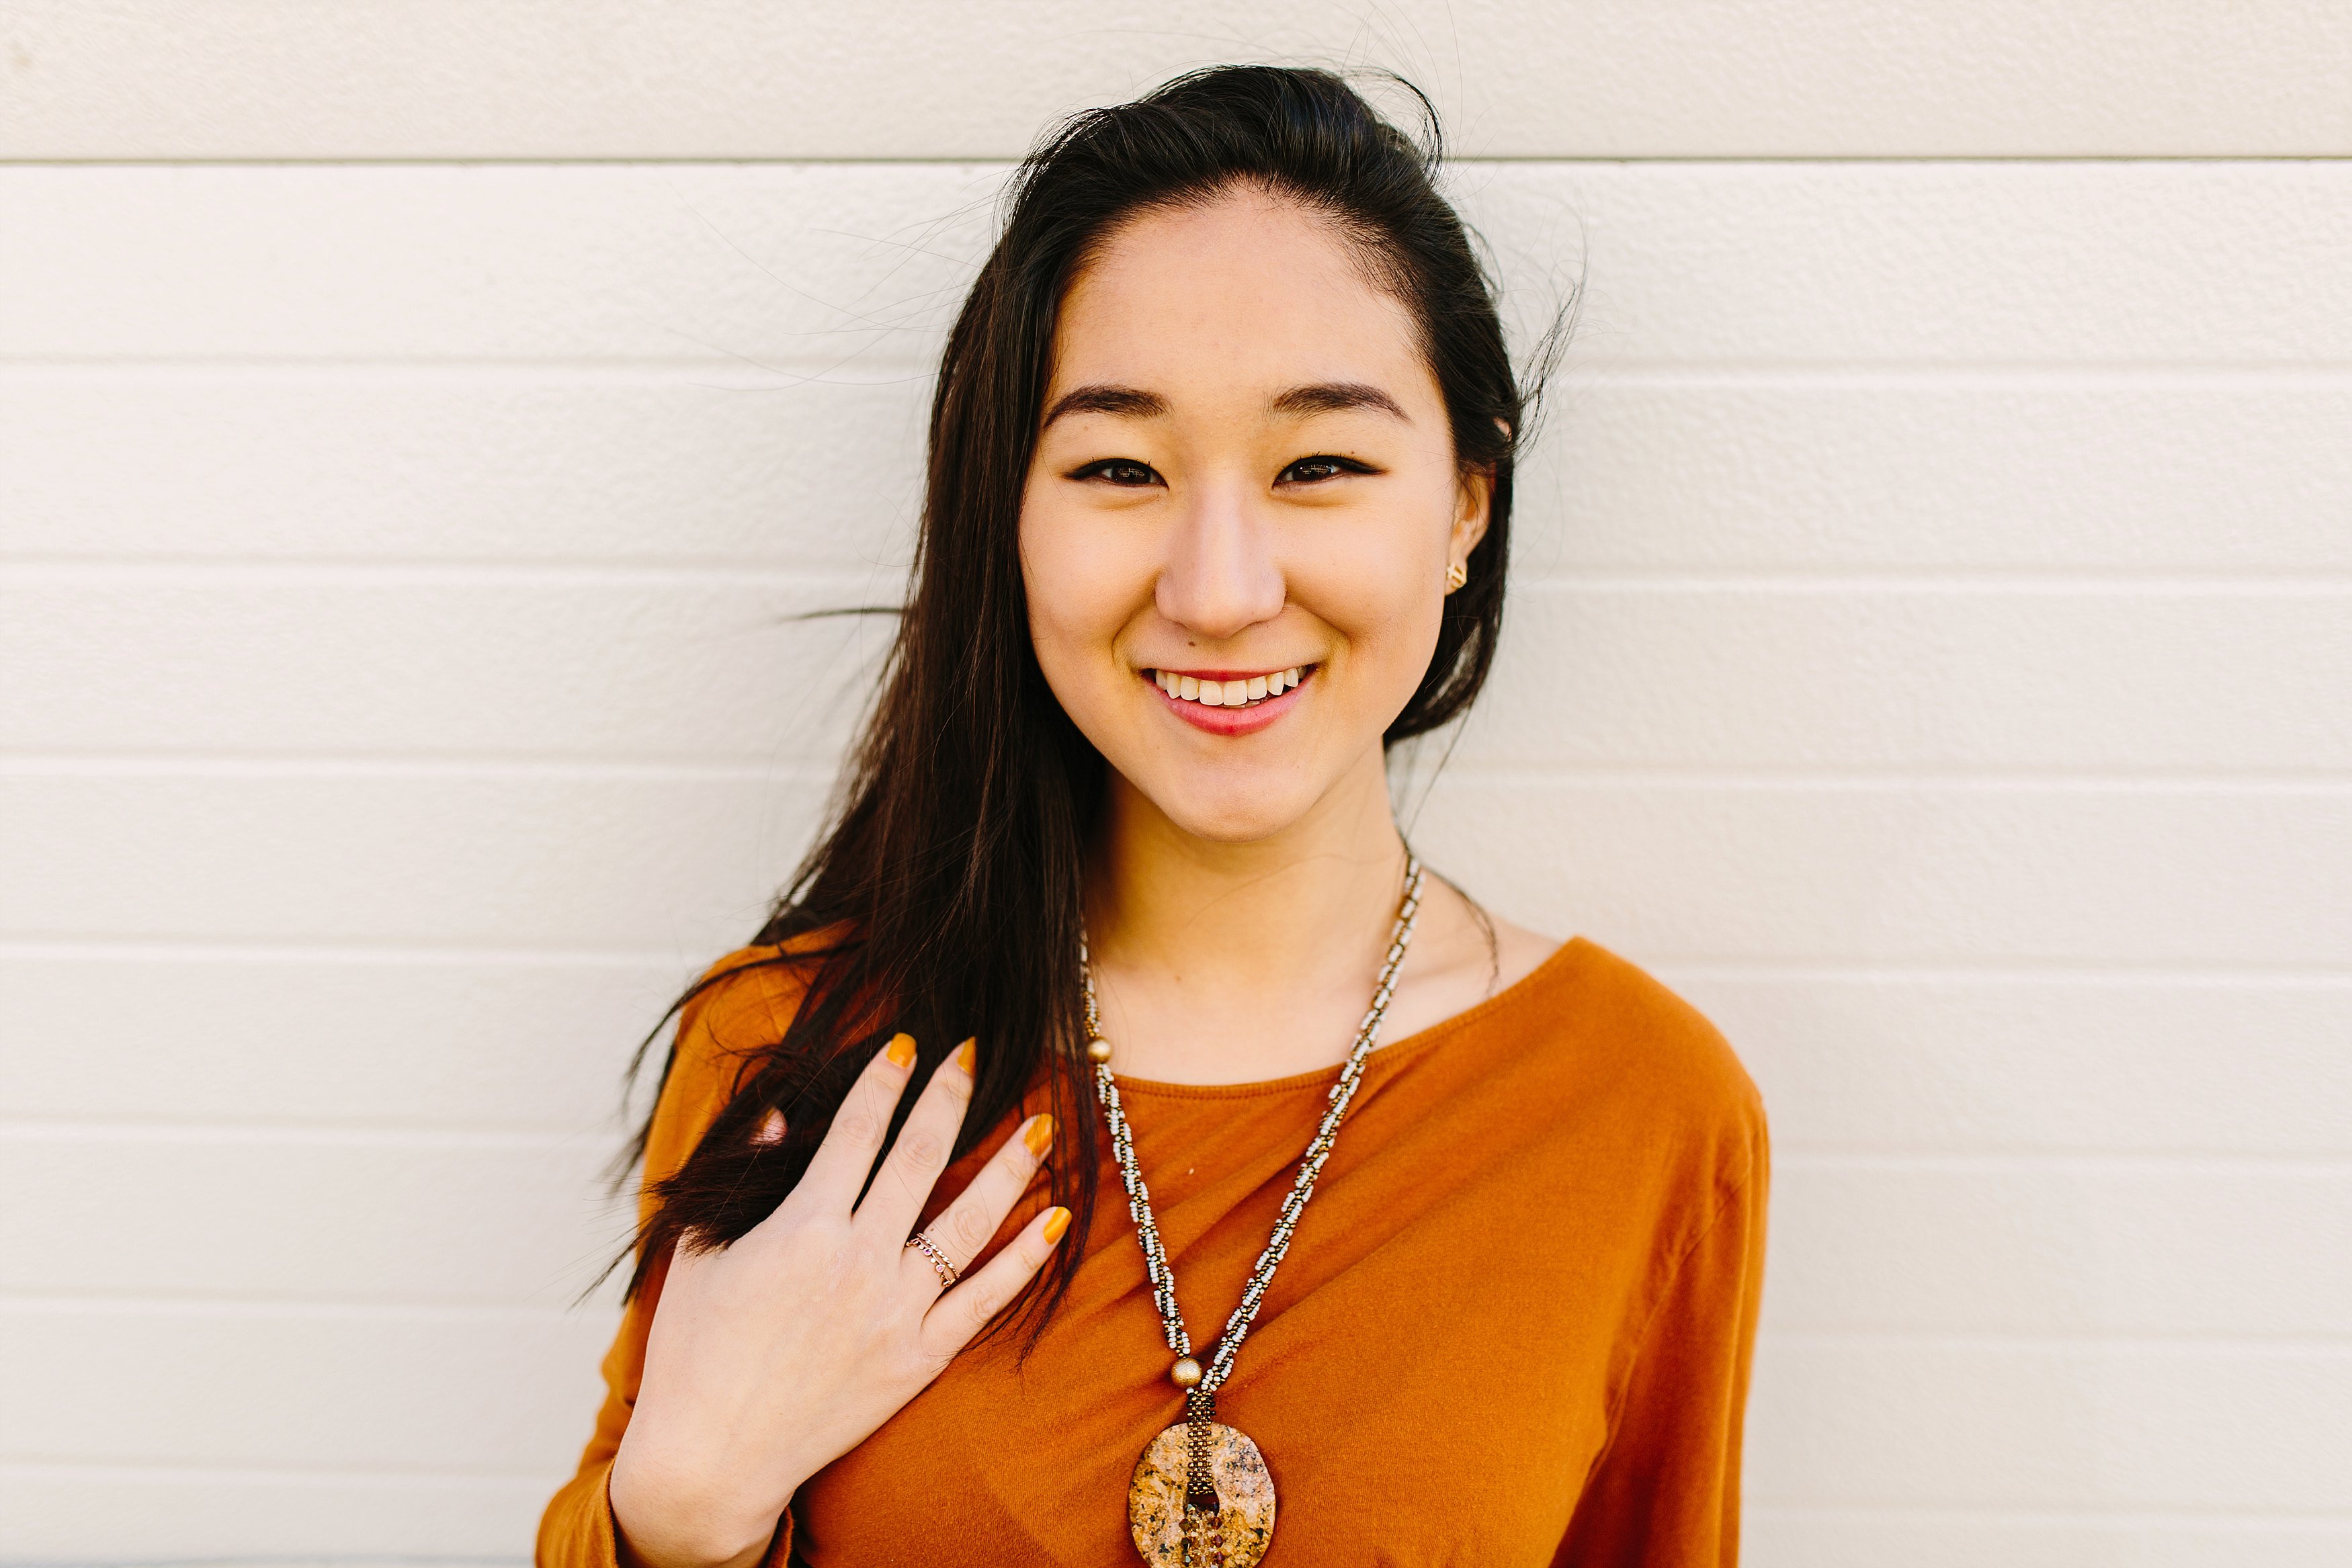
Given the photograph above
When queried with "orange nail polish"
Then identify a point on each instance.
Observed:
(902, 1050)
(966, 1056)
(1057, 1221)
(1040, 1134)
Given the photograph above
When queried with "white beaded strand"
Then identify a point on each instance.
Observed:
(1318, 1149)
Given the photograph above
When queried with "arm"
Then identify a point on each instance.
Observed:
(741, 1372)
(578, 1528)
(1665, 1491)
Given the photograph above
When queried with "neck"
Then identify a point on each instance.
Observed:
(1233, 936)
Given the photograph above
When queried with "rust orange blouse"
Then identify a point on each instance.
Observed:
(1513, 1325)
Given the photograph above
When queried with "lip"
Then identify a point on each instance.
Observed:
(1230, 720)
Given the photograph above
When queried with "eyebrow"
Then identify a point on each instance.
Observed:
(1133, 403)
(1332, 397)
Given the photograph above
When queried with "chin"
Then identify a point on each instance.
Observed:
(1229, 811)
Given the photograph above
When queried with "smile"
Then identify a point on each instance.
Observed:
(1245, 690)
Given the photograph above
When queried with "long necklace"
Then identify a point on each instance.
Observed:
(1202, 1496)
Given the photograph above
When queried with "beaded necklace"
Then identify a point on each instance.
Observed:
(1201, 1496)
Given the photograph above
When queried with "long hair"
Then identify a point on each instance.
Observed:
(943, 897)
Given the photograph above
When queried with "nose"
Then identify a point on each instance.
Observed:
(1220, 576)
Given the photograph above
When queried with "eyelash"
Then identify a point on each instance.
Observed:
(1102, 468)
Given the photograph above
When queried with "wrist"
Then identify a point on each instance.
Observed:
(665, 1520)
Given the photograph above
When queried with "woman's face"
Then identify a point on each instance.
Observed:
(1246, 473)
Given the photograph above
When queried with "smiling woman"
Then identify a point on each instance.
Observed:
(1218, 510)
(1251, 471)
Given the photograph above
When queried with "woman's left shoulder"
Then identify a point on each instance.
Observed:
(1614, 1032)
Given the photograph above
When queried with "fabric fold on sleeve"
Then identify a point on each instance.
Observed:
(1666, 1491)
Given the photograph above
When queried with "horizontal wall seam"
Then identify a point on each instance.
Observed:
(2290, 1348)
(856, 582)
(602, 1135)
(984, 162)
(197, 948)
(1894, 777)
(727, 375)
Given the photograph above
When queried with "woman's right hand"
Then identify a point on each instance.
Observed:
(769, 1359)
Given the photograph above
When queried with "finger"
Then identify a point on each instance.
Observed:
(964, 1227)
(839, 1168)
(961, 1314)
(920, 1151)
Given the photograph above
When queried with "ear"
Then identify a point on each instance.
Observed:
(1474, 496)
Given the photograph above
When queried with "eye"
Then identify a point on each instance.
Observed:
(1314, 470)
(1124, 471)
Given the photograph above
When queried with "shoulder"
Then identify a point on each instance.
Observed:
(1623, 1041)
(738, 1008)
(743, 1001)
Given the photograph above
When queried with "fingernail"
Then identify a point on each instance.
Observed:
(902, 1050)
(1039, 1134)
(1056, 1222)
(771, 1129)
(966, 1056)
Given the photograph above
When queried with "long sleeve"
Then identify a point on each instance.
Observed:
(578, 1529)
(1666, 1491)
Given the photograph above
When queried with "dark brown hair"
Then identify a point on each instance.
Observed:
(943, 898)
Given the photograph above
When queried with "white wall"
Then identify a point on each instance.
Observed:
(1931, 655)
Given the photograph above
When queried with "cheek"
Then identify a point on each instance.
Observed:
(1386, 603)
(1081, 593)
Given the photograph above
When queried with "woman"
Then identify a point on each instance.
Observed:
(1220, 487)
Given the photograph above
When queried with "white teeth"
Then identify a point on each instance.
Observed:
(1228, 693)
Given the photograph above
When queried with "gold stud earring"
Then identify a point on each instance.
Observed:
(1456, 574)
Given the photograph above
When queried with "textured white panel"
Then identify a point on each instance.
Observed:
(486, 1042)
(176, 1513)
(851, 271)
(536, 79)
(640, 862)
(1783, 470)
(1664, 868)
(484, 464)
(2139, 1062)
(1794, 1537)
(436, 662)
(330, 1216)
(1968, 264)
(2061, 1247)
(1966, 1423)
(486, 1394)
(797, 272)
(1899, 674)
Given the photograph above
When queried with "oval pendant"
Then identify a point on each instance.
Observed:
(1236, 1536)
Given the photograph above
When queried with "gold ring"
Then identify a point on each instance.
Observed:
(939, 1261)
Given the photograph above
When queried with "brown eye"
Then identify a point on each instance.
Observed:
(1124, 471)
(1314, 470)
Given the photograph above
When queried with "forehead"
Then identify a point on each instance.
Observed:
(1244, 293)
